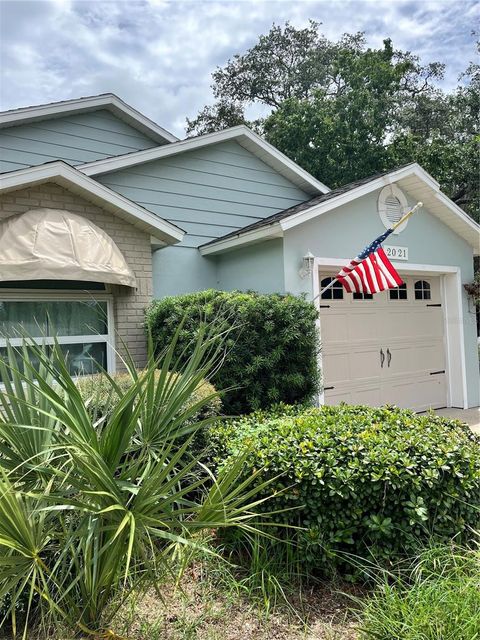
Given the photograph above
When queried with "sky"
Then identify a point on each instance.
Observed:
(158, 55)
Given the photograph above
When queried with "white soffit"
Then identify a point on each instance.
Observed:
(108, 101)
(241, 134)
(63, 174)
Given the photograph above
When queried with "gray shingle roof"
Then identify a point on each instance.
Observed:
(303, 206)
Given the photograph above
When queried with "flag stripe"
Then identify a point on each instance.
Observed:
(363, 279)
(371, 271)
(390, 268)
(356, 279)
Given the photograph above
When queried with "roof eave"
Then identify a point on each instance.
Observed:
(65, 175)
(90, 103)
(469, 229)
(242, 134)
(248, 238)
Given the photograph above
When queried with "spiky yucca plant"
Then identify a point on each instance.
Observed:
(91, 511)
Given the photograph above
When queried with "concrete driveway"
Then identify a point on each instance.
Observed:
(470, 416)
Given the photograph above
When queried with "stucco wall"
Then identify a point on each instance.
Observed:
(129, 304)
(344, 232)
(179, 269)
(258, 267)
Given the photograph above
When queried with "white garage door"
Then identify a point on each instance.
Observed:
(385, 349)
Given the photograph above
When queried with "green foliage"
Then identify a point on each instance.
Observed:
(363, 482)
(348, 128)
(271, 347)
(101, 396)
(91, 510)
(344, 111)
(437, 598)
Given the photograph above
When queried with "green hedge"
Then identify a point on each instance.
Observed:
(271, 348)
(374, 483)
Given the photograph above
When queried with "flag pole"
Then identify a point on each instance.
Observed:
(395, 226)
(407, 215)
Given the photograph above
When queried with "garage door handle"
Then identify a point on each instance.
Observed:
(389, 357)
(382, 358)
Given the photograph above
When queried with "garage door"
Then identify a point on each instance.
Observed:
(384, 349)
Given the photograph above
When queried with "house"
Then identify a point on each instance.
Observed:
(101, 209)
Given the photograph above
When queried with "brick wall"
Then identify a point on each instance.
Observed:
(129, 304)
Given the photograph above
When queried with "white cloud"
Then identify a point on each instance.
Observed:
(158, 55)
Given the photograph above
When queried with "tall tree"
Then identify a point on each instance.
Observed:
(344, 111)
(285, 63)
(441, 133)
(341, 135)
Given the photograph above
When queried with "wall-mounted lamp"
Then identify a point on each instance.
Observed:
(307, 265)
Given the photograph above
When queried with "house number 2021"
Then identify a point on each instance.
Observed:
(396, 253)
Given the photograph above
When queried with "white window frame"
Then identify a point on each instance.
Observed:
(396, 192)
(54, 295)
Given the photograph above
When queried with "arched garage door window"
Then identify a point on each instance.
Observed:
(334, 293)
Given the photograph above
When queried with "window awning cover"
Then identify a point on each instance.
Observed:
(52, 244)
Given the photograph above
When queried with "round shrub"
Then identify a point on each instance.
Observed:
(364, 482)
(271, 347)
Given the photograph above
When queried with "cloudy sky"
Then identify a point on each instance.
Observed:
(158, 55)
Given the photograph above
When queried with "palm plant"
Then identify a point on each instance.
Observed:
(91, 510)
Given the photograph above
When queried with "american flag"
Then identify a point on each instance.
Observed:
(371, 271)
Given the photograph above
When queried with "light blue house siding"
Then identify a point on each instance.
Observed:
(74, 138)
(342, 233)
(257, 268)
(208, 192)
(178, 270)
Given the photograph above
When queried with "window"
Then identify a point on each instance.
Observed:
(422, 290)
(392, 205)
(334, 293)
(79, 323)
(400, 293)
(362, 296)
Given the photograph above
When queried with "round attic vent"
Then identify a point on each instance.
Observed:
(392, 205)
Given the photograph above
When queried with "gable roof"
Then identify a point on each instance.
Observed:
(411, 177)
(108, 101)
(241, 134)
(67, 176)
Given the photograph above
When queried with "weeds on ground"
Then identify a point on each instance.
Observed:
(436, 598)
(251, 596)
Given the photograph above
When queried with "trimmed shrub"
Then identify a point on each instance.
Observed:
(271, 347)
(367, 482)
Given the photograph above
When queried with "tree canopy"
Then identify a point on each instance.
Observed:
(344, 111)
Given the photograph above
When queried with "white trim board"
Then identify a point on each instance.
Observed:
(451, 292)
(108, 101)
(241, 134)
(251, 237)
(441, 206)
(65, 175)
